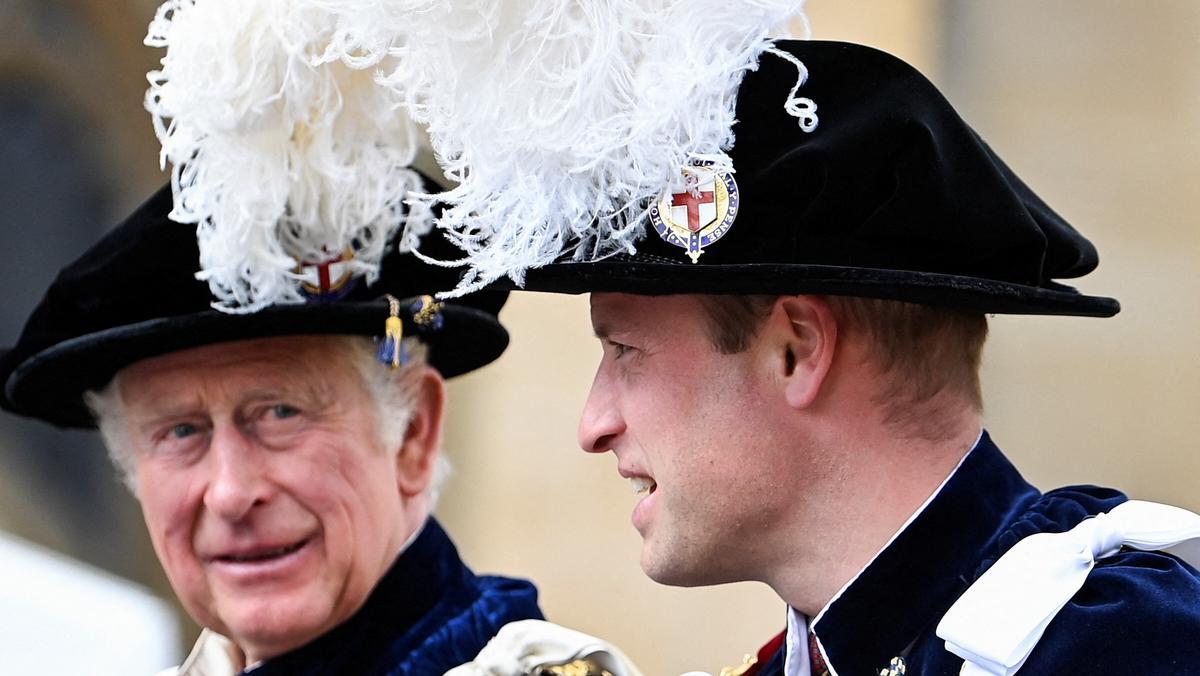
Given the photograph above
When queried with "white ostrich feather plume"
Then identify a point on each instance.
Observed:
(559, 120)
(283, 147)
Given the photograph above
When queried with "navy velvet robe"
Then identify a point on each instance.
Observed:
(429, 613)
(1138, 613)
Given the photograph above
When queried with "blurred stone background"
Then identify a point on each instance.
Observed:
(1095, 103)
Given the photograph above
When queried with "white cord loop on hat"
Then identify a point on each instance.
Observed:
(800, 107)
(997, 622)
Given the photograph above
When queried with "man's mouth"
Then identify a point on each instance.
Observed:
(642, 485)
(260, 555)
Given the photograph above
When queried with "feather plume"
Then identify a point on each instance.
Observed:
(559, 120)
(284, 149)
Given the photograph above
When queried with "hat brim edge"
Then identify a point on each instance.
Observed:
(953, 291)
(49, 385)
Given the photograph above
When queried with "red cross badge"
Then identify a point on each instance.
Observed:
(701, 214)
(327, 280)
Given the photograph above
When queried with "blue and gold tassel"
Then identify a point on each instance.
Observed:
(425, 313)
(391, 349)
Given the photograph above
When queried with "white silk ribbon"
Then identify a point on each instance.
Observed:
(997, 622)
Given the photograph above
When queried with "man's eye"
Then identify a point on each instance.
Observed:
(284, 411)
(182, 431)
(177, 437)
(620, 349)
(276, 423)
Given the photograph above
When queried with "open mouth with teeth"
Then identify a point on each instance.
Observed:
(264, 555)
(642, 485)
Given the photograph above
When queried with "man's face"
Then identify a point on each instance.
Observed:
(690, 425)
(269, 498)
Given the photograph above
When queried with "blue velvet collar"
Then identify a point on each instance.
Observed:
(907, 588)
(429, 612)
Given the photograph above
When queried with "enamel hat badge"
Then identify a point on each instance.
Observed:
(328, 280)
(699, 215)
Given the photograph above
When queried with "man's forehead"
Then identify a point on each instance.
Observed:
(612, 312)
(284, 357)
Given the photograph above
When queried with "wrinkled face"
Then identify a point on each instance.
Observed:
(269, 498)
(686, 425)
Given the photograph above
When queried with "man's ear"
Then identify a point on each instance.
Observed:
(804, 335)
(417, 458)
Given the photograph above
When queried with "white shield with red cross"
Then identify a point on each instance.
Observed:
(327, 280)
(698, 216)
(698, 207)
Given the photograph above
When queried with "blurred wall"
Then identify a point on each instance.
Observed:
(1094, 102)
(1097, 105)
(76, 153)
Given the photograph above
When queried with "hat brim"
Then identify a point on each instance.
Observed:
(50, 384)
(655, 277)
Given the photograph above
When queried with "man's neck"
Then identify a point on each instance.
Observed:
(882, 484)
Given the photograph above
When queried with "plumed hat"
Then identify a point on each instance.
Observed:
(855, 178)
(286, 213)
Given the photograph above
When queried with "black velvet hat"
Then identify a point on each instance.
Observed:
(134, 295)
(891, 196)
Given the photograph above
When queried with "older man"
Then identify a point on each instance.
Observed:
(790, 378)
(286, 475)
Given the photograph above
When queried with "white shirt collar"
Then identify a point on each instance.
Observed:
(795, 660)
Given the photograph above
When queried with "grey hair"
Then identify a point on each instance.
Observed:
(394, 392)
(108, 409)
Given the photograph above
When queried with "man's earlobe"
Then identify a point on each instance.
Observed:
(418, 454)
(809, 339)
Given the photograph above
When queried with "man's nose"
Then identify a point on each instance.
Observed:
(600, 423)
(238, 479)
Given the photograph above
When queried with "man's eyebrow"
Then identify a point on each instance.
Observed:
(266, 392)
(601, 330)
(308, 391)
(144, 420)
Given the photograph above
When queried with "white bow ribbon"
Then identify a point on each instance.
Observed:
(996, 623)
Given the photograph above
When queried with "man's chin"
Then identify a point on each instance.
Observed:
(675, 570)
(676, 578)
(264, 630)
(671, 571)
